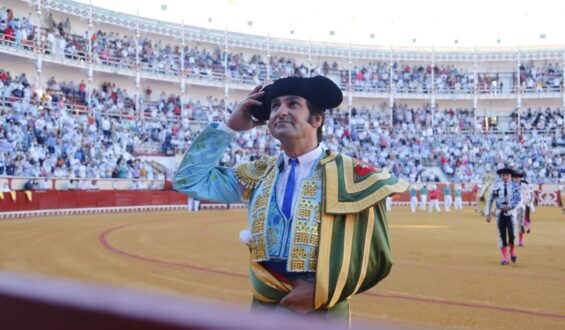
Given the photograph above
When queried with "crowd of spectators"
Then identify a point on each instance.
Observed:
(408, 150)
(406, 78)
(45, 134)
(108, 98)
(540, 119)
(41, 129)
(545, 78)
(112, 48)
(439, 121)
(54, 144)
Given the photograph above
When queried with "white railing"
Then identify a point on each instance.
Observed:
(120, 209)
(212, 76)
(18, 183)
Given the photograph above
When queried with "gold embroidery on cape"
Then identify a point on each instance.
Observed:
(323, 266)
(366, 249)
(350, 186)
(333, 205)
(345, 259)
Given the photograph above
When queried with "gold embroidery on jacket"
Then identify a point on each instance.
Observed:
(306, 224)
(252, 173)
(260, 208)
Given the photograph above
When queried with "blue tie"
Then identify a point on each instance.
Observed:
(289, 189)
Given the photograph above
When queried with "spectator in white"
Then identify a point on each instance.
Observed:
(60, 172)
(60, 45)
(193, 205)
(3, 14)
(135, 185)
(148, 171)
(141, 185)
(92, 185)
(45, 184)
(71, 185)
(106, 126)
(82, 185)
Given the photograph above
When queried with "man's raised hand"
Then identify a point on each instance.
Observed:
(241, 119)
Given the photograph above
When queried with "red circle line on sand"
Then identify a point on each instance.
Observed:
(102, 238)
(462, 304)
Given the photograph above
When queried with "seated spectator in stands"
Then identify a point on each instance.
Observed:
(28, 185)
(81, 185)
(92, 185)
(115, 184)
(72, 185)
(134, 186)
(44, 184)
(138, 185)
(31, 184)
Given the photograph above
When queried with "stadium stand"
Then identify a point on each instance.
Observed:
(412, 114)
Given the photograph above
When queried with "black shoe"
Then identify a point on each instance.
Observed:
(503, 262)
(513, 258)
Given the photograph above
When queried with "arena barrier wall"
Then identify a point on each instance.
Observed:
(22, 204)
(74, 199)
(32, 302)
(17, 183)
(16, 204)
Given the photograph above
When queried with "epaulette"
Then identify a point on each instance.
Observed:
(252, 173)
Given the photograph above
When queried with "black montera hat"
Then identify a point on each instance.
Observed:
(320, 91)
(517, 174)
(505, 170)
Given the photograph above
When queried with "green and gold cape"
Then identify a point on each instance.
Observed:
(353, 247)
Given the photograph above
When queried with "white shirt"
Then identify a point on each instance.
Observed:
(303, 169)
